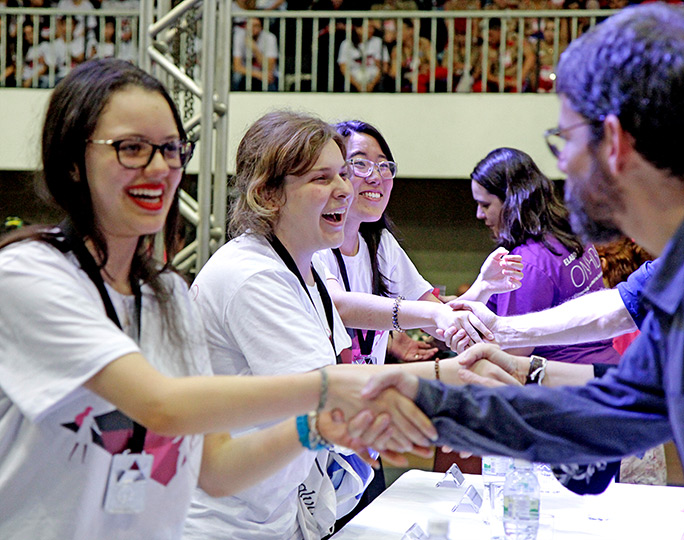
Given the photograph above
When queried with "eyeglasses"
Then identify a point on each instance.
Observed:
(556, 141)
(363, 168)
(138, 153)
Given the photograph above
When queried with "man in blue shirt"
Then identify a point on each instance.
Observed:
(619, 142)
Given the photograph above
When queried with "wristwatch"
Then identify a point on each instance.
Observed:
(537, 370)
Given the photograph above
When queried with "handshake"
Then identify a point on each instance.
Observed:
(373, 406)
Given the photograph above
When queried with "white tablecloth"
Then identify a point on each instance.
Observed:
(622, 512)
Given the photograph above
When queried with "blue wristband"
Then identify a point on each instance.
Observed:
(303, 430)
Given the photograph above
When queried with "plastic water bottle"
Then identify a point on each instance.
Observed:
(521, 502)
(495, 469)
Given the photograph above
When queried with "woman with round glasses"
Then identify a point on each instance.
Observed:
(370, 260)
(104, 393)
(520, 207)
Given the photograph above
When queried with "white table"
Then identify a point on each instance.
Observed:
(622, 512)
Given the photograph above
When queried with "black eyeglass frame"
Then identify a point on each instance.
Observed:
(557, 131)
(376, 166)
(185, 150)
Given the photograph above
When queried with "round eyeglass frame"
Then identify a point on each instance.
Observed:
(391, 167)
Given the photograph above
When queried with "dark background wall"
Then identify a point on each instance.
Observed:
(435, 218)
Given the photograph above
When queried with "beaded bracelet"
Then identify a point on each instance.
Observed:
(437, 369)
(395, 313)
(307, 431)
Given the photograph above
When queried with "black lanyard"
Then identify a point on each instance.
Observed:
(325, 296)
(73, 242)
(365, 343)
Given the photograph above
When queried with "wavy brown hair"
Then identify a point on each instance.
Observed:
(276, 145)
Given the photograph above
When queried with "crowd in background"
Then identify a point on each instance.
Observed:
(373, 55)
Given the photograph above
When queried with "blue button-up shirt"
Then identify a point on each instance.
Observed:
(636, 406)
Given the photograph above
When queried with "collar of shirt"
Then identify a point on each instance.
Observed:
(665, 289)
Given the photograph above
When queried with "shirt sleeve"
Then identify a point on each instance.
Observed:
(270, 46)
(55, 333)
(239, 43)
(631, 290)
(620, 414)
(274, 329)
(404, 278)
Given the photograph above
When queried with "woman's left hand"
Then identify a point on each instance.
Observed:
(501, 272)
(407, 349)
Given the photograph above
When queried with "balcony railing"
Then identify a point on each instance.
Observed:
(369, 51)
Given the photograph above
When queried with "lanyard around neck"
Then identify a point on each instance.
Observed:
(73, 242)
(365, 343)
(285, 256)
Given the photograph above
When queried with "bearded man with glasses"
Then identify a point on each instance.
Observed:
(621, 87)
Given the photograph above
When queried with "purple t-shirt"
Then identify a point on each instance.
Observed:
(550, 280)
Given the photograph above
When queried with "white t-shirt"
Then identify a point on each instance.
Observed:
(56, 437)
(259, 321)
(352, 57)
(266, 42)
(394, 264)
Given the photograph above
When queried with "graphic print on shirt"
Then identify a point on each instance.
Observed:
(582, 269)
(112, 431)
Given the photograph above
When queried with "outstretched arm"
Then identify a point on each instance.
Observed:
(622, 413)
(187, 405)
(592, 317)
(230, 465)
(372, 312)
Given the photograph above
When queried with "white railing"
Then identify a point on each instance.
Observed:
(439, 51)
(39, 45)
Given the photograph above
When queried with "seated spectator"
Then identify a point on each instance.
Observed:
(33, 65)
(327, 68)
(84, 25)
(9, 50)
(503, 56)
(572, 28)
(363, 59)
(127, 45)
(43, 21)
(411, 62)
(457, 52)
(110, 46)
(61, 52)
(547, 57)
(263, 47)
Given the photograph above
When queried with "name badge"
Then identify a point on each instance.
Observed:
(127, 483)
(364, 359)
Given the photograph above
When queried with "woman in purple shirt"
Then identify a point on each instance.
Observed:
(519, 205)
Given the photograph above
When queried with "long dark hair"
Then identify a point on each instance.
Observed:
(75, 108)
(371, 231)
(531, 209)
